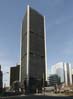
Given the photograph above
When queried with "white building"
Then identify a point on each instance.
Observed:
(64, 71)
(58, 69)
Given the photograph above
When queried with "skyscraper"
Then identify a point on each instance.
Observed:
(33, 47)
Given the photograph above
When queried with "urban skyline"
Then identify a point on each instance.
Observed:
(58, 21)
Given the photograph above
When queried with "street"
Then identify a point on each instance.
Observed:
(37, 97)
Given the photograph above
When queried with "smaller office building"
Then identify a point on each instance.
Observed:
(64, 71)
(1, 79)
(54, 79)
(14, 74)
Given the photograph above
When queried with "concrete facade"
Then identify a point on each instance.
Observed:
(58, 69)
(68, 73)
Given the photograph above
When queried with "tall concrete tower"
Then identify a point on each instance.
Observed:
(68, 74)
(33, 46)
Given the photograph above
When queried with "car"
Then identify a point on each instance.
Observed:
(49, 89)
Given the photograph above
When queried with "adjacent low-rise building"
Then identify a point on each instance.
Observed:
(14, 74)
(1, 79)
(64, 71)
(54, 79)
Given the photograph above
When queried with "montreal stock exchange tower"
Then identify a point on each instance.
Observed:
(33, 47)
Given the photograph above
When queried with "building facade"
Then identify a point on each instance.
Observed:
(63, 70)
(68, 74)
(59, 70)
(33, 46)
(14, 74)
(72, 76)
(1, 79)
(54, 80)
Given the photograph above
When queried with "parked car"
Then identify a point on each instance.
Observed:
(48, 89)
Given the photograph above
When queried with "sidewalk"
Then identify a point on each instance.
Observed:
(51, 94)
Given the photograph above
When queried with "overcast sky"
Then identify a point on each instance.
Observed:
(59, 30)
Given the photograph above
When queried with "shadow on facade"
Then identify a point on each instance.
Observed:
(34, 85)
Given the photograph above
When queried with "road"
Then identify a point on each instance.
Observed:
(37, 97)
(52, 94)
(46, 95)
